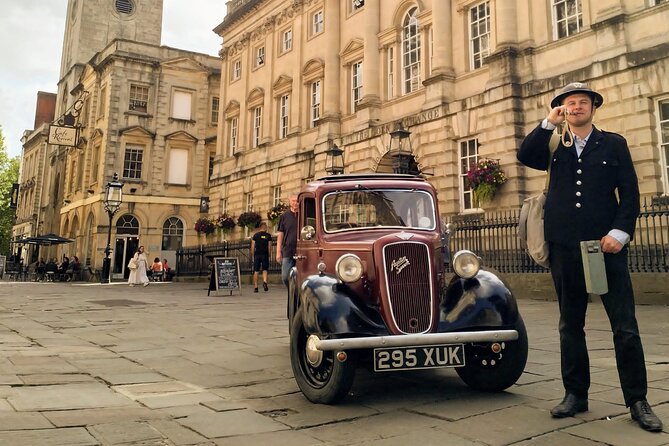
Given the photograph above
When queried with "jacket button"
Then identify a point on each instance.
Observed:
(578, 194)
(578, 183)
(579, 171)
(580, 160)
(578, 205)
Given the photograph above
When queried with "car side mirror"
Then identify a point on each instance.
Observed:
(307, 232)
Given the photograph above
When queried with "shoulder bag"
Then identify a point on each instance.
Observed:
(531, 221)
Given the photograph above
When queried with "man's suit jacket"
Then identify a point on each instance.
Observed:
(581, 203)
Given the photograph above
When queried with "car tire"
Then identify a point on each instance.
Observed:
(327, 382)
(506, 370)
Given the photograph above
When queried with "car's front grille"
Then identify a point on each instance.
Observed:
(407, 270)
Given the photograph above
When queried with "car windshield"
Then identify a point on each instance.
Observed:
(374, 208)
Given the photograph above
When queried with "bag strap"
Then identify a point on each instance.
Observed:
(552, 146)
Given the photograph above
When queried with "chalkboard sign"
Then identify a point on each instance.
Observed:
(226, 273)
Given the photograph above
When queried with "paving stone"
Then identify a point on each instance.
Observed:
(177, 434)
(619, 431)
(124, 432)
(283, 438)
(559, 439)
(39, 379)
(476, 404)
(131, 378)
(185, 399)
(428, 437)
(85, 417)
(236, 422)
(23, 421)
(75, 436)
(10, 380)
(66, 396)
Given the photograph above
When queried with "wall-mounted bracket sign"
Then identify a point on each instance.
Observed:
(65, 130)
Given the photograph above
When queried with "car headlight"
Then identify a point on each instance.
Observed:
(466, 264)
(349, 268)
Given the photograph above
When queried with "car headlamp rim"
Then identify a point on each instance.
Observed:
(349, 268)
(466, 264)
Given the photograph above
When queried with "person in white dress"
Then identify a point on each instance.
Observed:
(138, 275)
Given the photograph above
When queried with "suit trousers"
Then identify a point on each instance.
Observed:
(567, 272)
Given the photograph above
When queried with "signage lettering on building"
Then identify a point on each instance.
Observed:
(63, 135)
(14, 199)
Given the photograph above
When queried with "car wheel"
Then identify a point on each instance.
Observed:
(494, 372)
(322, 379)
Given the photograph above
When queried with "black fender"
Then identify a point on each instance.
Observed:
(484, 301)
(330, 308)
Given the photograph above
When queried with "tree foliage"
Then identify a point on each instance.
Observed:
(9, 174)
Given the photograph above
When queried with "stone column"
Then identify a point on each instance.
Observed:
(371, 63)
(332, 81)
(506, 25)
(442, 35)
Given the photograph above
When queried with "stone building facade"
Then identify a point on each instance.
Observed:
(149, 114)
(468, 78)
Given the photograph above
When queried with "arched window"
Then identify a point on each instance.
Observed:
(127, 224)
(173, 233)
(410, 52)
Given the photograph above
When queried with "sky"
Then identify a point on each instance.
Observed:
(31, 40)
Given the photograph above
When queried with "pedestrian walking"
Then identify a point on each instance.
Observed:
(286, 239)
(593, 194)
(261, 244)
(138, 266)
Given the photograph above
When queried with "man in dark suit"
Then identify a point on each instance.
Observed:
(593, 194)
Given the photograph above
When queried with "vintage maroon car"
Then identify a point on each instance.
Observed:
(372, 285)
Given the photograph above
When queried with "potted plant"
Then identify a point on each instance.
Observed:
(249, 219)
(225, 223)
(484, 178)
(275, 213)
(205, 226)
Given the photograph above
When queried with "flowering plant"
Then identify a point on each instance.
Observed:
(225, 222)
(204, 225)
(484, 178)
(249, 219)
(276, 212)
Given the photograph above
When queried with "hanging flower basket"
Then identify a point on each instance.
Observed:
(249, 219)
(275, 213)
(225, 223)
(484, 178)
(205, 226)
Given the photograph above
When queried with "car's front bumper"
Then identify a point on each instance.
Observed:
(412, 340)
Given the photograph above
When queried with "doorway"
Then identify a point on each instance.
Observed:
(125, 248)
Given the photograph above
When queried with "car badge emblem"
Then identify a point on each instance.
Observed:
(404, 235)
(399, 264)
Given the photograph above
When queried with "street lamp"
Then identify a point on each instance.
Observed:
(112, 201)
(400, 151)
(334, 161)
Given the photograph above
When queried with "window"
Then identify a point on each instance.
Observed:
(103, 101)
(132, 162)
(233, 129)
(391, 72)
(181, 105)
(236, 70)
(283, 115)
(469, 150)
(276, 195)
(127, 224)
(210, 167)
(663, 107)
(173, 233)
(411, 52)
(356, 85)
(95, 164)
(317, 23)
(215, 104)
(315, 102)
(567, 17)
(479, 38)
(73, 170)
(287, 40)
(260, 56)
(178, 169)
(357, 4)
(257, 127)
(139, 98)
(248, 199)
(656, 2)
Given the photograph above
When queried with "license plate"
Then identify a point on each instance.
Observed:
(420, 357)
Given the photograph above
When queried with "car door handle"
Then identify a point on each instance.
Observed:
(299, 257)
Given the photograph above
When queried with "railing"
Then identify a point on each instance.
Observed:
(494, 237)
(194, 261)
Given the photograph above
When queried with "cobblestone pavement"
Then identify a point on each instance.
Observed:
(90, 364)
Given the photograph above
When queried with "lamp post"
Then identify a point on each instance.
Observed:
(334, 161)
(400, 151)
(112, 201)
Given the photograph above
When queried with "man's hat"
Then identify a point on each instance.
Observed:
(577, 87)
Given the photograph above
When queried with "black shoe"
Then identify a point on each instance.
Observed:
(570, 406)
(264, 286)
(255, 290)
(643, 414)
